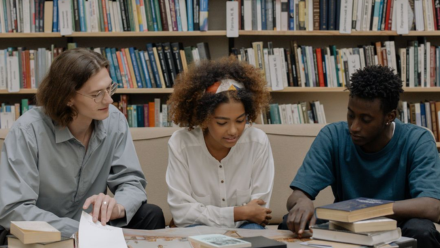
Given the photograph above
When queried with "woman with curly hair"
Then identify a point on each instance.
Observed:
(220, 172)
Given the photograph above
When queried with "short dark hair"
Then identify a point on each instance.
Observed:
(377, 81)
(191, 106)
(66, 75)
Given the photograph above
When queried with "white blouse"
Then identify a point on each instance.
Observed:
(203, 190)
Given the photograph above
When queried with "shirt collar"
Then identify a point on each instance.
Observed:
(63, 134)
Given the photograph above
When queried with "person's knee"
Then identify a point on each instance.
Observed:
(155, 211)
(420, 229)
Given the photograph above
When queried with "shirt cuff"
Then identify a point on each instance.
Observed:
(311, 192)
(227, 215)
(130, 209)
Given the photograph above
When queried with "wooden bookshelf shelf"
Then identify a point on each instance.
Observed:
(30, 35)
(148, 34)
(285, 90)
(335, 33)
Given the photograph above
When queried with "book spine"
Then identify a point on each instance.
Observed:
(145, 70)
(150, 70)
(196, 14)
(170, 61)
(173, 15)
(176, 52)
(332, 15)
(164, 65)
(163, 15)
(141, 69)
(155, 6)
(178, 15)
(203, 15)
(190, 15)
(153, 65)
(151, 16)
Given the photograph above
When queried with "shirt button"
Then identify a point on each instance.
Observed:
(220, 166)
(223, 199)
(223, 181)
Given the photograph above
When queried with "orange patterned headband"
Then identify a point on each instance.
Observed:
(224, 85)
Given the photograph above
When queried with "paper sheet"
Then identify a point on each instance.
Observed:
(93, 235)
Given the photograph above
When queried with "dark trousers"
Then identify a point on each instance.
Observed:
(421, 229)
(148, 217)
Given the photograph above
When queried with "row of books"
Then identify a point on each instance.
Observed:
(152, 114)
(424, 114)
(157, 67)
(290, 114)
(10, 113)
(359, 222)
(343, 15)
(66, 16)
(418, 65)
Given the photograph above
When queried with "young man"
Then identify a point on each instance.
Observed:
(373, 155)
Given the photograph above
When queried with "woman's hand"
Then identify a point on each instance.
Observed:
(256, 213)
(105, 208)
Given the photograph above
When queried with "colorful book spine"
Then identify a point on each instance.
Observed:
(153, 65)
(204, 15)
(156, 8)
(135, 67)
(141, 69)
(109, 56)
(145, 68)
(178, 15)
(151, 22)
(190, 15)
(117, 69)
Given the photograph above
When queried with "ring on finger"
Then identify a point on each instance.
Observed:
(104, 203)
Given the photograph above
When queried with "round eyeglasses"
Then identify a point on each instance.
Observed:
(98, 97)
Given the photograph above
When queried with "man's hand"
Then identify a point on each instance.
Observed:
(105, 208)
(301, 213)
(256, 213)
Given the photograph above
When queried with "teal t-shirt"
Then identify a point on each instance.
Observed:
(407, 167)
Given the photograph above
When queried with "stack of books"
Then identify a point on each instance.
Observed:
(36, 234)
(359, 222)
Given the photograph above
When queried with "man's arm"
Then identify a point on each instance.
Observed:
(301, 210)
(423, 208)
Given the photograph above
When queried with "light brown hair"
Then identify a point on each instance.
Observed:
(66, 75)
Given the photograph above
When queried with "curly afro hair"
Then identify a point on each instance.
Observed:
(377, 81)
(191, 107)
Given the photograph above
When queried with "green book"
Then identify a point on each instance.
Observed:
(20, 68)
(148, 11)
(188, 55)
(158, 19)
(130, 14)
(134, 115)
(24, 106)
(101, 17)
(274, 113)
(130, 116)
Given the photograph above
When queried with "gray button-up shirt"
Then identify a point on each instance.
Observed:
(46, 174)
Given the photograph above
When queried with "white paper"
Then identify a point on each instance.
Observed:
(402, 19)
(92, 235)
(232, 19)
(65, 17)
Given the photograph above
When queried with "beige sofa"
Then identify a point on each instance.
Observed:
(290, 144)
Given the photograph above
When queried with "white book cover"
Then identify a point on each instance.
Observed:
(26, 16)
(110, 7)
(284, 16)
(3, 70)
(19, 17)
(411, 66)
(283, 117)
(354, 12)
(279, 52)
(266, 66)
(418, 115)
(278, 14)
(247, 9)
(376, 60)
(429, 17)
(402, 52)
(168, 11)
(275, 73)
(218, 241)
(2, 18)
(405, 111)
(144, 17)
(418, 8)
(259, 16)
(295, 114)
(359, 15)
(328, 74)
(376, 16)
(346, 16)
(402, 19)
(13, 73)
(289, 115)
(366, 15)
(393, 56)
(65, 17)
(318, 112)
(119, 16)
(32, 68)
(182, 5)
(428, 64)
(301, 67)
(88, 15)
(334, 72)
(310, 65)
(354, 64)
(362, 57)
(232, 19)
(321, 109)
(196, 56)
(309, 15)
(428, 115)
(251, 56)
(93, 19)
(301, 115)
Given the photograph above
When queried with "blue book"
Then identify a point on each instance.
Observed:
(109, 20)
(355, 210)
(141, 26)
(137, 75)
(292, 14)
(190, 15)
(117, 70)
(55, 17)
(144, 67)
(82, 19)
(141, 70)
(140, 115)
(108, 54)
(376, 13)
(8, 108)
(153, 65)
(178, 17)
(5, 14)
(380, 15)
(306, 68)
(153, 13)
(203, 15)
(323, 15)
(423, 114)
(263, 15)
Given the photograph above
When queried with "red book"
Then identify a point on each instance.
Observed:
(23, 70)
(387, 16)
(28, 69)
(390, 22)
(320, 70)
(151, 114)
(124, 102)
(104, 14)
(434, 10)
(432, 64)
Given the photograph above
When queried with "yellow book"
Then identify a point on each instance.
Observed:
(30, 232)
(135, 15)
(159, 68)
(130, 68)
(48, 10)
(184, 62)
